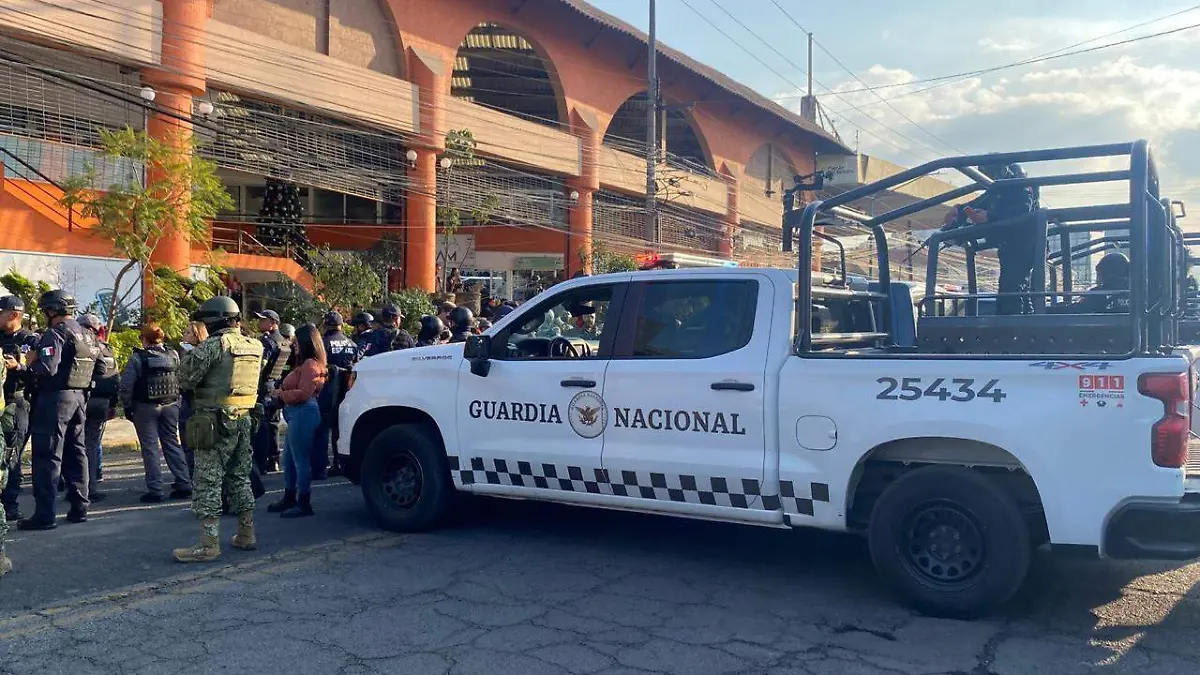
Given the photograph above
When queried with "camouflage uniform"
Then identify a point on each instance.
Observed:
(222, 374)
(6, 426)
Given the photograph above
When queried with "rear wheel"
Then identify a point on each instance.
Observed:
(950, 541)
(406, 479)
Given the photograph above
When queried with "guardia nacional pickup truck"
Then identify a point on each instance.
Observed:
(956, 444)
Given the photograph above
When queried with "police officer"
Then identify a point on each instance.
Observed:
(15, 342)
(462, 324)
(65, 364)
(362, 331)
(340, 354)
(431, 331)
(101, 406)
(150, 395)
(276, 350)
(223, 375)
(5, 563)
(1112, 282)
(1015, 245)
(389, 336)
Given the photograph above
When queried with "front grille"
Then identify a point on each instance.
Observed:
(1192, 468)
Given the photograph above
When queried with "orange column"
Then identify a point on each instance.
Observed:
(733, 218)
(428, 69)
(585, 125)
(421, 226)
(177, 80)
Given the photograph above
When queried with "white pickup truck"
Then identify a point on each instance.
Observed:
(687, 392)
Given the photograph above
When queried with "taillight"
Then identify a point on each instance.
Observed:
(1169, 435)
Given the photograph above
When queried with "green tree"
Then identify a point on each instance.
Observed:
(413, 303)
(29, 291)
(342, 280)
(135, 213)
(605, 261)
(178, 296)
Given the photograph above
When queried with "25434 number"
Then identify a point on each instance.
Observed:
(960, 390)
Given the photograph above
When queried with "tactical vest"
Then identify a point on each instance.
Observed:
(84, 354)
(232, 381)
(159, 383)
(108, 384)
(276, 367)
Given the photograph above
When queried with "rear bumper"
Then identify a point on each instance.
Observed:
(1155, 531)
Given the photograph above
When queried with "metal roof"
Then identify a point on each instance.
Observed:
(831, 143)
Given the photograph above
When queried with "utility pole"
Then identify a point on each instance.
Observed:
(808, 104)
(652, 131)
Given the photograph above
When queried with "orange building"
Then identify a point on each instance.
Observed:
(352, 102)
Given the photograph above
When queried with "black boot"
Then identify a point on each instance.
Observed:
(288, 501)
(302, 508)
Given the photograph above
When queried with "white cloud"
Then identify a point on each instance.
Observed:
(993, 45)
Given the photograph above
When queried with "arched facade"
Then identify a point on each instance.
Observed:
(683, 139)
(499, 67)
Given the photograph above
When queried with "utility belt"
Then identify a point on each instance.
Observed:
(210, 399)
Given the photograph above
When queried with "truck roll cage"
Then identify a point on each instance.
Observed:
(1145, 226)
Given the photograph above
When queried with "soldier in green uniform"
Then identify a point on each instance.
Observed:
(222, 374)
(6, 424)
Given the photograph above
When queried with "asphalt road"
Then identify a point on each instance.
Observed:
(526, 589)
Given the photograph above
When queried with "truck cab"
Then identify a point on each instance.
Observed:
(955, 442)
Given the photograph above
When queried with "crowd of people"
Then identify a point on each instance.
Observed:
(212, 408)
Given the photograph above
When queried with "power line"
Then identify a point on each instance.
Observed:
(766, 65)
(859, 80)
(943, 80)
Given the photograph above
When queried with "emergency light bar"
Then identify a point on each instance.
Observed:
(684, 260)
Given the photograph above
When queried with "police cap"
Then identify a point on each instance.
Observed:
(12, 303)
(362, 319)
(391, 312)
(333, 318)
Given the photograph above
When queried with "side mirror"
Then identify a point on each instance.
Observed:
(478, 350)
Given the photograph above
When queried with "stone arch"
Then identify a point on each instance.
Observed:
(768, 171)
(360, 32)
(685, 139)
(504, 68)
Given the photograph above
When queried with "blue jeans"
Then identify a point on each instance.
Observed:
(302, 420)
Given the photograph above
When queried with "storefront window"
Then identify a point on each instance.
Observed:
(359, 210)
(254, 195)
(329, 207)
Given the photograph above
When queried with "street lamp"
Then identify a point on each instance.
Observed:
(411, 156)
(574, 196)
(204, 108)
(147, 94)
(445, 163)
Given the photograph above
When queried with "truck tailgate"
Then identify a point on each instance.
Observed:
(1191, 470)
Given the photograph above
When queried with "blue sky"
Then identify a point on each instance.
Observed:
(1149, 89)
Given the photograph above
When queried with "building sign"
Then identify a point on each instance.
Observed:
(457, 251)
(845, 170)
(538, 262)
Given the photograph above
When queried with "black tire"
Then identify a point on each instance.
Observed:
(406, 479)
(949, 541)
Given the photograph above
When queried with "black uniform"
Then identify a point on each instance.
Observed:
(340, 353)
(67, 364)
(17, 387)
(389, 339)
(1015, 246)
(265, 442)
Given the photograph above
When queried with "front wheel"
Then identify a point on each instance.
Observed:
(406, 479)
(950, 541)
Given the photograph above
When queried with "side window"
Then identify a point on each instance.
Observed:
(579, 317)
(694, 319)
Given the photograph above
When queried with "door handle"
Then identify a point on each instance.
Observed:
(732, 386)
(582, 384)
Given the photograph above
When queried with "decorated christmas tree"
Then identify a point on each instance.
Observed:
(279, 220)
